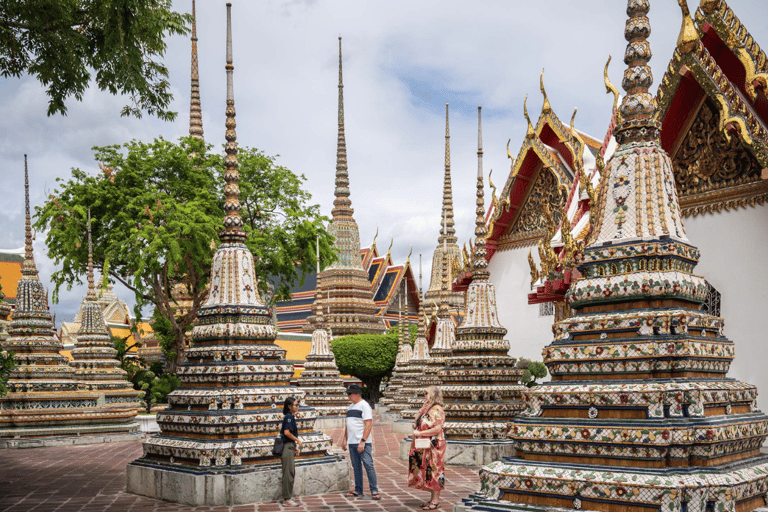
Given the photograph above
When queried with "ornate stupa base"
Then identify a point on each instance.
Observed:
(469, 452)
(226, 487)
(739, 487)
(42, 437)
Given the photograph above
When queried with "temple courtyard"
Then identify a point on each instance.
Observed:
(92, 478)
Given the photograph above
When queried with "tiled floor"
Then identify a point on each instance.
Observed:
(92, 478)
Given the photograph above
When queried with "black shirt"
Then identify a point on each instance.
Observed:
(289, 424)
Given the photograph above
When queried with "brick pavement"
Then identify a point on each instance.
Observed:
(92, 478)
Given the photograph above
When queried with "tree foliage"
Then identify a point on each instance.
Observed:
(61, 42)
(369, 357)
(6, 366)
(532, 370)
(156, 211)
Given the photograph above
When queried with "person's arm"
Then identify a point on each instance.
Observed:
(287, 433)
(434, 429)
(366, 432)
(344, 437)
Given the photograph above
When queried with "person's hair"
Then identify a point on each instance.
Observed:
(287, 404)
(437, 395)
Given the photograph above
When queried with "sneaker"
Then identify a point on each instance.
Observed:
(290, 503)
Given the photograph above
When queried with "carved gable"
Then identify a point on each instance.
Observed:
(712, 173)
(530, 224)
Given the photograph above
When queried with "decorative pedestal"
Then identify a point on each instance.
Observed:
(229, 487)
(468, 453)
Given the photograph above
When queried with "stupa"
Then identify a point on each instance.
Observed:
(350, 305)
(94, 358)
(447, 248)
(408, 372)
(321, 382)
(47, 405)
(215, 445)
(481, 385)
(639, 414)
(403, 357)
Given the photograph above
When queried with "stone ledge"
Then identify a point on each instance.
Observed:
(44, 442)
(402, 426)
(468, 453)
(330, 422)
(226, 488)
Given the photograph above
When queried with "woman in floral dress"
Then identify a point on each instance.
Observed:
(426, 467)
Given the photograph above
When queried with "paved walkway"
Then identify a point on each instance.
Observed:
(92, 478)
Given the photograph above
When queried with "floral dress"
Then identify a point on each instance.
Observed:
(426, 467)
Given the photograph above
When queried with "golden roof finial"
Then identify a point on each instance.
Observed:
(494, 199)
(408, 259)
(534, 270)
(609, 87)
(389, 251)
(509, 155)
(529, 133)
(546, 107)
(688, 37)
(373, 245)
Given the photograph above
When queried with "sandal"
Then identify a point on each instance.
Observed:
(352, 494)
(430, 506)
(376, 496)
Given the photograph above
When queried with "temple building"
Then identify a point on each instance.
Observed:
(216, 438)
(11, 262)
(48, 403)
(639, 414)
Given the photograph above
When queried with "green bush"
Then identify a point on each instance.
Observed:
(369, 357)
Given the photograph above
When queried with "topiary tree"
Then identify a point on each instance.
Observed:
(369, 357)
(532, 370)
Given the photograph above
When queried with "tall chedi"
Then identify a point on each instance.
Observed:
(446, 249)
(47, 404)
(215, 447)
(94, 358)
(480, 382)
(350, 307)
(408, 367)
(320, 381)
(195, 108)
(403, 357)
(639, 414)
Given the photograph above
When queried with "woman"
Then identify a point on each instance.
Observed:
(426, 467)
(290, 434)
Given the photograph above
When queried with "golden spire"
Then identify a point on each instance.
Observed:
(91, 295)
(546, 106)
(479, 263)
(195, 109)
(28, 268)
(342, 205)
(447, 232)
(688, 37)
(529, 133)
(233, 223)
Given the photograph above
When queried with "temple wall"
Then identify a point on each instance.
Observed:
(733, 246)
(527, 332)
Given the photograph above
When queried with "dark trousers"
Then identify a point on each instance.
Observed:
(289, 469)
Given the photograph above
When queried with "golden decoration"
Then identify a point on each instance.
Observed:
(534, 270)
(688, 38)
(546, 107)
(529, 133)
(494, 198)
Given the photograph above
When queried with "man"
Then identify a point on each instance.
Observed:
(357, 433)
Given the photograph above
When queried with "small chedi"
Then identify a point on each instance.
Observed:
(480, 381)
(350, 308)
(320, 381)
(409, 372)
(47, 402)
(94, 358)
(404, 354)
(411, 396)
(215, 445)
(639, 414)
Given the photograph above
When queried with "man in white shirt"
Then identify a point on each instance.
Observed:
(357, 434)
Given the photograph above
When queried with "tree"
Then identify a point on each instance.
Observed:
(532, 370)
(369, 357)
(6, 366)
(60, 42)
(157, 210)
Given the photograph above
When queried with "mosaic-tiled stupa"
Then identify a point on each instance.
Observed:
(94, 358)
(447, 248)
(411, 395)
(350, 308)
(217, 435)
(409, 370)
(321, 382)
(47, 403)
(403, 357)
(480, 381)
(639, 414)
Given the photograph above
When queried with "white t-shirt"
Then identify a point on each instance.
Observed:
(356, 416)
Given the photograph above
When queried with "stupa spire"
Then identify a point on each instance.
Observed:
(28, 268)
(479, 263)
(447, 231)
(233, 223)
(195, 109)
(91, 295)
(342, 205)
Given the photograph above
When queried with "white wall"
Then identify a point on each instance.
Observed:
(734, 247)
(527, 333)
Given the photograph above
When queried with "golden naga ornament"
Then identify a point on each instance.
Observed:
(534, 269)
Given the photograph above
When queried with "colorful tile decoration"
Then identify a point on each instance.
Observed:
(480, 382)
(399, 372)
(48, 397)
(229, 406)
(639, 414)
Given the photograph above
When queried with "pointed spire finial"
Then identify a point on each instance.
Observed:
(233, 223)
(609, 87)
(408, 259)
(479, 262)
(529, 133)
(195, 109)
(342, 204)
(688, 37)
(447, 231)
(373, 245)
(389, 250)
(546, 107)
(28, 268)
(91, 295)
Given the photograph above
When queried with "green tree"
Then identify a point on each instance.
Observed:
(157, 210)
(6, 366)
(369, 357)
(61, 42)
(532, 370)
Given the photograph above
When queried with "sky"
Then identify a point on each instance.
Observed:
(403, 61)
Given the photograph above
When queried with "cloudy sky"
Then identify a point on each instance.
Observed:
(403, 61)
